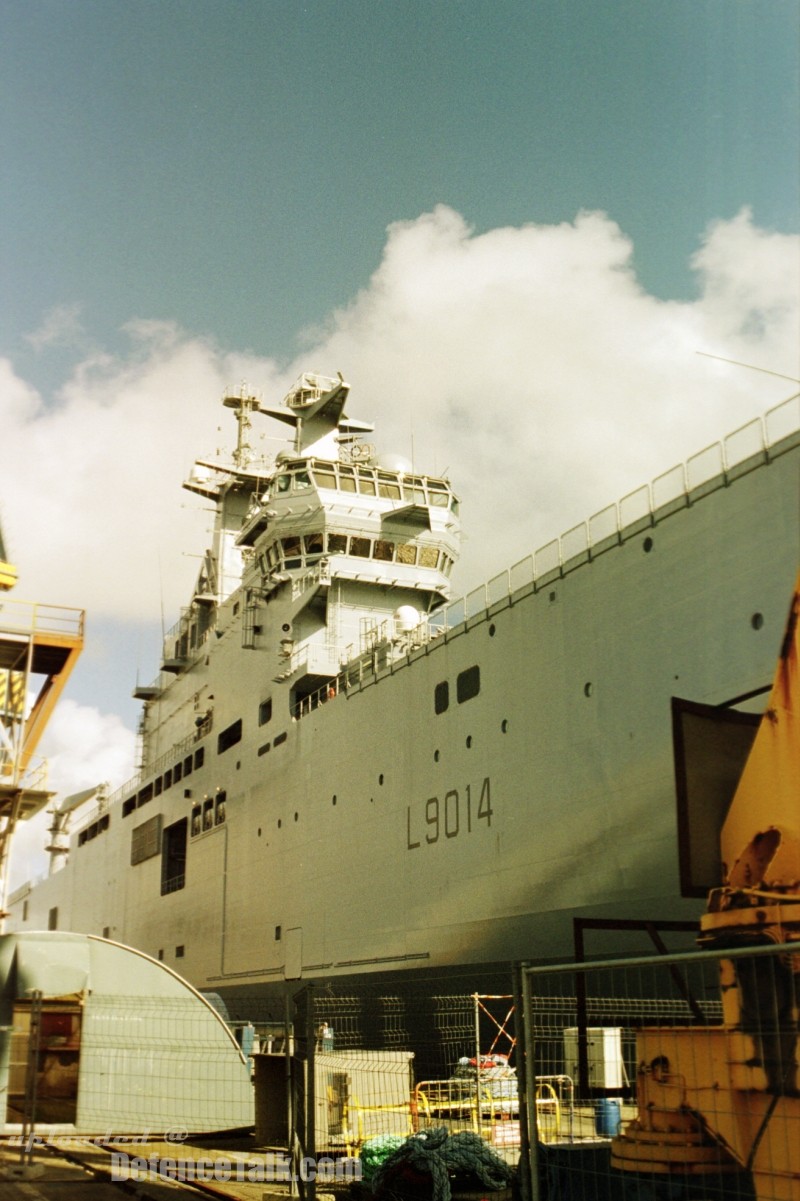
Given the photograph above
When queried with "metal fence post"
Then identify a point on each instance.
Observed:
(531, 1131)
(31, 1078)
(522, 1085)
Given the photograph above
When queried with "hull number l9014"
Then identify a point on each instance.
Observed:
(448, 817)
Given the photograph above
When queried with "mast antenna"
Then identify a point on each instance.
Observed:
(244, 406)
(749, 366)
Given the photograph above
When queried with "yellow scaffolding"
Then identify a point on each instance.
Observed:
(39, 646)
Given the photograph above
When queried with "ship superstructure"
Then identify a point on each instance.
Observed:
(345, 771)
(320, 558)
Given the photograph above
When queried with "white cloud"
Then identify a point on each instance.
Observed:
(62, 326)
(83, 748)
(532, 364)
(527, 361)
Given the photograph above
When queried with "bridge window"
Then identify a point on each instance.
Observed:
(347, 479)
(388, 486)
(291, 552)
(324, 479)
(313, 545)
(337, 544)
(384, 550)
(360, 547)
(407, 553)
(366, 482)
(428, 556)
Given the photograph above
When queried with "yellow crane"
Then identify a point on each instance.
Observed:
(8, 573)
(39, 645)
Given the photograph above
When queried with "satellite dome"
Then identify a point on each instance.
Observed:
(395, 463)
(407, 618)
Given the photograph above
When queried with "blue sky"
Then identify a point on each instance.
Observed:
(233, 165)
(519, 229)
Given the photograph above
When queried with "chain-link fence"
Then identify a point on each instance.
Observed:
(658, 1078)
(669, 1078)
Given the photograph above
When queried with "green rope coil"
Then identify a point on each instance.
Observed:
(376, 1151)
(437, 1154)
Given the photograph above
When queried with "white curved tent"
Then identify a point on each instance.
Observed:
(124, 1044)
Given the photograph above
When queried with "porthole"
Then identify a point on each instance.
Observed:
(280, 823)
(757, 621)
(504, 725)
(296, 816)
(587, 688)
(436, 756)
(380, 779)
(333, 800)
(469, 741)
(259, 831)
(552, 597)
(492, 630)
(647, 545)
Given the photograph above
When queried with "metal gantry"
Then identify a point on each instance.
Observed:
(39, 645)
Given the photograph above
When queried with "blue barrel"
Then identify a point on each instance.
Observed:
(606, 1117)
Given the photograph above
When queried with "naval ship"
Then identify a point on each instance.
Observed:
(345, 770)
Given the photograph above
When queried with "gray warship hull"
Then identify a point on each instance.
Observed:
(455, 796)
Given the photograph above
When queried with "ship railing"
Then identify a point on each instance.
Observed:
(26, 617)
(33, 779)
(175, 754)
(711, 468)
(320, 573)
(186, 639)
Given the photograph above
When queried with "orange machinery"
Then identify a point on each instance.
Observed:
(725, 1098)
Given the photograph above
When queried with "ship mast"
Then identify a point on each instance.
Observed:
(243, 406)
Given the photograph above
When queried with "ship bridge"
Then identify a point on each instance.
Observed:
(374, 524)
(39, 646)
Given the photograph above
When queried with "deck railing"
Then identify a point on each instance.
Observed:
(31, 617)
